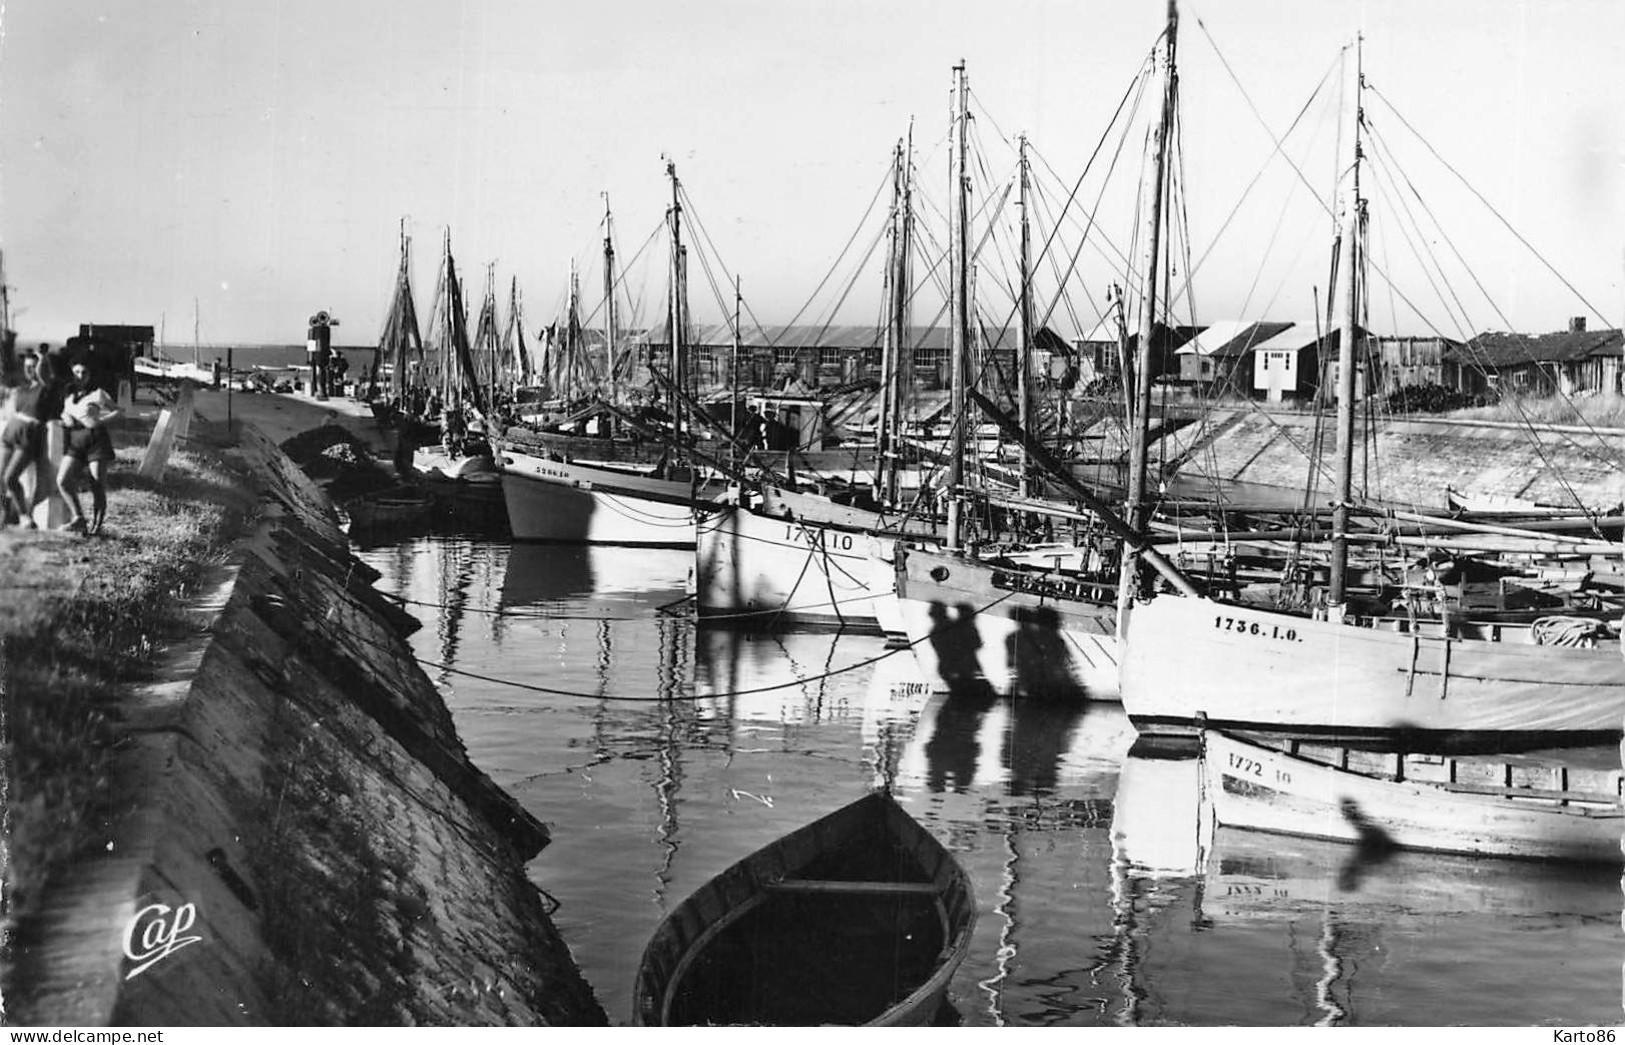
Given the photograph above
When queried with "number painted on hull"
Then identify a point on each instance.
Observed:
(1252, 767)
(1255, 629)
(841, 542)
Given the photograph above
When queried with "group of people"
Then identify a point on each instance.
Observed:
(328, 369)
(84, 408)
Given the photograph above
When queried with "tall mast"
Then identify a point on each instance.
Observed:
(959, 293)
(1155, 192)
(902, 314)
(197, 348)
(609, 307)
(576, 370)
(733, 379)
(885, 485)
(1346, 356)
(1025, 359)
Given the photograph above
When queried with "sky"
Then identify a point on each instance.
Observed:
(232, 167)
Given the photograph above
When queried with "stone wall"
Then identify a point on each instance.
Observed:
(296, 779)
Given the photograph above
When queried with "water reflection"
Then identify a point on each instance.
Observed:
(1220, 925)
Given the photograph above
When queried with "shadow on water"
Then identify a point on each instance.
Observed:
(1374, 847)
(952, 752)
(1039, 659)
(1040, 734)
(1032, 742)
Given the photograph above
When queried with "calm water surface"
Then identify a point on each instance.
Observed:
(660, 752)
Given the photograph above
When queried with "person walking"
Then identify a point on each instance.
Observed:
(20, 439)
(85, 413)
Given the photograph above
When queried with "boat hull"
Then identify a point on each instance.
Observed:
(580, 504)
(1258, 788)
(758, 570)
(972, 627)
(860, 917)
(1190, 662)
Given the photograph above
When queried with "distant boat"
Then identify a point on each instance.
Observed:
(1437, 804)
(400, 506)
(859, 918)
(599, 503)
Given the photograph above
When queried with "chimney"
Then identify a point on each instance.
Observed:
(1577, 325)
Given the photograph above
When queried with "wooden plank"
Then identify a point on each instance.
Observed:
(1548, 794)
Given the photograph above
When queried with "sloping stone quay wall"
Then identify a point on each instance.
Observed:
(302, 805)
(1407, 461)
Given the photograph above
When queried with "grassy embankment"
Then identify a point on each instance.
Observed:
(1598, 411)
(80, 620)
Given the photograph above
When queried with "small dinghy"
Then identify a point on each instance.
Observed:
(858, 918)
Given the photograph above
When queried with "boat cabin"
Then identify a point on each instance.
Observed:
(794, 422)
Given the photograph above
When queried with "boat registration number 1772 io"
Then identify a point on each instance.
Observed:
(1247, 766)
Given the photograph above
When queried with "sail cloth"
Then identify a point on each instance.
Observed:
(400, 344)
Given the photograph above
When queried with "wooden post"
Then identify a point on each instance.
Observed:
(39, 482)
(183, 411)
(173, 423)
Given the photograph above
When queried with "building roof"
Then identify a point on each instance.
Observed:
(812, 336)
(1501, 349)
(1296, 337)
(1230, 338)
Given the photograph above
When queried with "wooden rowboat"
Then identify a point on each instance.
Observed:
(860, 917)
(1437, 804)
(401, 506)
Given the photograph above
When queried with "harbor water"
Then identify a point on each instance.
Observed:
(659, 752)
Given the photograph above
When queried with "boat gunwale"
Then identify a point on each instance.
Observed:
(954, 901)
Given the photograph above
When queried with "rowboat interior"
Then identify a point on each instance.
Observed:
(849, 921)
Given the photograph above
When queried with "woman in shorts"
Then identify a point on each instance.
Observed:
(85, 412)
(20, 439)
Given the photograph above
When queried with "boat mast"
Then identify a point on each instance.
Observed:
(1139, 449)
(609, 307)
(576, 369)
(885, 485)
(1025, 359)
(958, 289)
(676, 317)
(1352, 206)
(197, 348)
(733, 379)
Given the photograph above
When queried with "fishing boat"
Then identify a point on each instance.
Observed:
(395, 383)
(1432, 803)
(1035, 621)
(781, 557)
(858, 918)
(398, 506)
(1340, 666)
(552, 498)
(780, 554)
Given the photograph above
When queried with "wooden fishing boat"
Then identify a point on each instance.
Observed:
(1383, 801)
(399, 506)
(785, 558)
(1347, 668)
(579, 503)
(860, 917)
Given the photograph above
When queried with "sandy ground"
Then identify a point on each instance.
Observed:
(282, 416)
